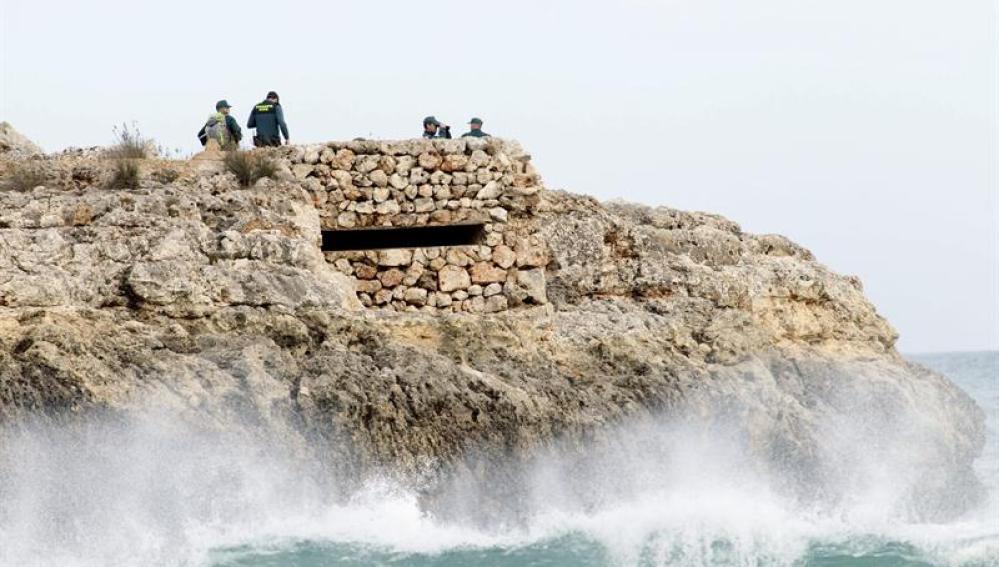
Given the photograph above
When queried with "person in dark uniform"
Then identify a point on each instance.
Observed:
(475, 129)
(268, 118)
(432, 128)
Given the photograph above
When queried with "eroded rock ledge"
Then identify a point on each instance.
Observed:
(218, 303)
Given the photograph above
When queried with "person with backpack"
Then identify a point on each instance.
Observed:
(268, 118)
(222, 128)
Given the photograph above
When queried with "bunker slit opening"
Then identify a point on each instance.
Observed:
(382, 238)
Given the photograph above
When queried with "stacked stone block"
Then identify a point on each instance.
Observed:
(365, 184)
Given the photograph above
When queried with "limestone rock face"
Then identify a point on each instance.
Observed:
(13, 142)
(216, 302)
(174, 251)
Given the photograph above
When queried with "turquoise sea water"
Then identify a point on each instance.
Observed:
(160, 494)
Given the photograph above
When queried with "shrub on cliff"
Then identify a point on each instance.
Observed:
(24, 177)
(129, 143)
(125, 175)
(249, 167)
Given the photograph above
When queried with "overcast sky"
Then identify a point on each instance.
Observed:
(862, 129)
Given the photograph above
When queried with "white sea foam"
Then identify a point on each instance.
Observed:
(159, 492)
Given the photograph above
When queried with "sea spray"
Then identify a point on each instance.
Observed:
(133, 491)
(154, 489)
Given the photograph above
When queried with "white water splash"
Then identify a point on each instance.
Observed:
(159, 492)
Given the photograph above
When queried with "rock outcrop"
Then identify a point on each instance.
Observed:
(217, 302)
(13, 142)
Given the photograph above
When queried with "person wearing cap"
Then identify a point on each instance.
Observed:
(432, 128)
(268, 118)
(475, 129)
(221, 127)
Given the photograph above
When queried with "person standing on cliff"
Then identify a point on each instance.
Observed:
(475, 129)
(432, 128)
(268, 118)
(222, 128)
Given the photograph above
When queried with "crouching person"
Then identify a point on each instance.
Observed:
(433, 128)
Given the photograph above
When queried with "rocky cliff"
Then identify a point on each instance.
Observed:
(214, 302)
(15, 144)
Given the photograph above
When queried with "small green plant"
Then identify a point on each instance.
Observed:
(129, 143)
(24, 177)
(249, 167)
(125, 175)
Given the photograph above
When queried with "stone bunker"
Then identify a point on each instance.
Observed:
(435, 225)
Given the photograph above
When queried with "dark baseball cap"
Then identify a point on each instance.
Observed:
(475, 121)
(431, 120)
(222, 104)
(272, 94)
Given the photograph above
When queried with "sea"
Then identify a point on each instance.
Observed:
(158, 493)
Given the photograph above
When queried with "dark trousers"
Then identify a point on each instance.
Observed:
(266, 142)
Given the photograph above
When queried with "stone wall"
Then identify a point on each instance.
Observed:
(368, 184)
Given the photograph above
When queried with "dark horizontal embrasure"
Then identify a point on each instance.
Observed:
(380, 238)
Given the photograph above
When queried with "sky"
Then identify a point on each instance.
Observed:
(863, 129)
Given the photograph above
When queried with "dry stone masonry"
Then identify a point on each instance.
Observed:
(424, 183)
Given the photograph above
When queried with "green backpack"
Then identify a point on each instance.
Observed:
(216, 129)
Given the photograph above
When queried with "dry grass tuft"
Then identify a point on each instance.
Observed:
(250, 167)
(129, 143)
(125, 175)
